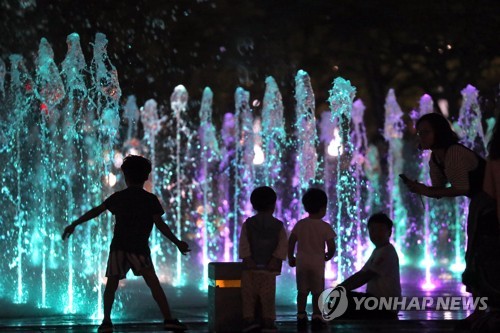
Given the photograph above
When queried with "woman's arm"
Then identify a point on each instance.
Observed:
(458, 162)
(435, 192)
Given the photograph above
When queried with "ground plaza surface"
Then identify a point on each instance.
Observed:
(191, 307)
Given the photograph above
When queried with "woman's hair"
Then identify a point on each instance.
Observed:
(494, 144)
(444, 136)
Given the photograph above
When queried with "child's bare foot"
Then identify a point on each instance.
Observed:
(105, 327)
(174, 325)
(250, 325)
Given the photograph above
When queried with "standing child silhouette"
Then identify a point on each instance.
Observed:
(311, 235)
(263, 247)
(136, 211)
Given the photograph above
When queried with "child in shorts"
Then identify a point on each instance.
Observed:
(311, 235)
(136, 211)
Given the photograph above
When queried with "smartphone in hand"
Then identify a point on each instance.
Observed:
(404, 178)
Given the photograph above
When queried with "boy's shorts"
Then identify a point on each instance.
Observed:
(310, 279)
(119, 263)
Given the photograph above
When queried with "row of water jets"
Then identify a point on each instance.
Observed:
(62, 141)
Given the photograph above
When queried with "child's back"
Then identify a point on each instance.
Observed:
(263, 247)
(263, 234)
(134, 209)
(312, 235)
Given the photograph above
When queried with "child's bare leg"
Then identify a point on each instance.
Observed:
(109, 296)
(157, 291)
(301, 302)
(315, 299)
(248, 295)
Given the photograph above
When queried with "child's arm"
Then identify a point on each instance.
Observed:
(291, 250)
(331, 249)
(244, 250)
(93, 213)
(282, 247)
(165, 230)
(279, 253)
(358, 279)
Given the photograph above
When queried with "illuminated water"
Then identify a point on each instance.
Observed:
(209, 158)
(363, 193)
(57, 137)
(341, 102)
(270, 170)
(62, 142)
(393, 134)
(151, 123)
(428, 205)
(306, 140)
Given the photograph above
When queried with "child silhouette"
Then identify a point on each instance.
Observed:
(263, 248)
(136, 211)
(380, 273)
(311, 235)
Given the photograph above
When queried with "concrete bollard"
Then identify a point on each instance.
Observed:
(224, 297)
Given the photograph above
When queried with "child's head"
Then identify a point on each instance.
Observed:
(315, 201)
(136, 169)
(263, 199)
(380, 228)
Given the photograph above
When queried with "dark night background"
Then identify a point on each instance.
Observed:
(416, 47)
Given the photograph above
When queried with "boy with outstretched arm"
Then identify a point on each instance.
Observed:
(136, 211)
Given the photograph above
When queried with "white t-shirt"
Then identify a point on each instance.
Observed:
(312, 235)
(384, 262)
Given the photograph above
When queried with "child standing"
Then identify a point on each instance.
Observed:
(262, 248)
(380, 273)
(311, 234)
(136, 210)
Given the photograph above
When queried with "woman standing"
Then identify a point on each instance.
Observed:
(487, 260)
(489, 257)
(492, 177)
(458, 171)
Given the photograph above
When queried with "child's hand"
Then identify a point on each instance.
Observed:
(292, 261)
(274, 265)
(249, 263)
(68, 231)
(183, 247)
